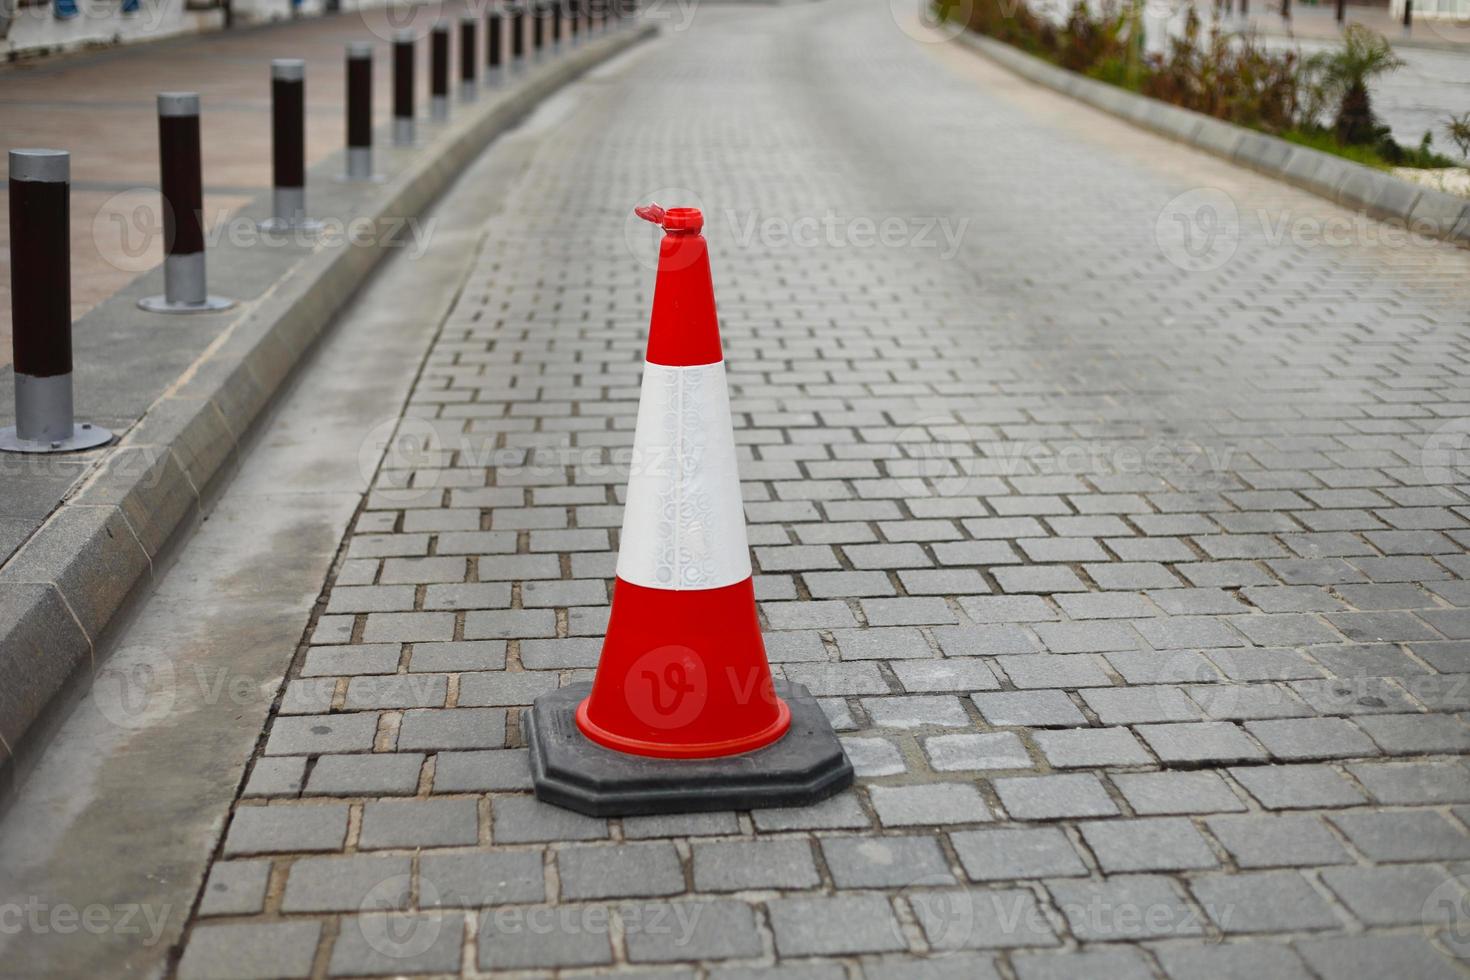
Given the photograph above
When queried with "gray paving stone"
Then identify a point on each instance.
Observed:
(358, 882)
(1206, 741)
(1414, 782)
(250, 951)
(680, 825)
(1171, 793)
(419, 823)
(1148, 844)
(840, 812)
(451, 728)
(1263, 902)
(1125, 907)
(944, 675)
(1232, 961)
(1370, 957)
(885, 862)
(1276, 841)
(1054, 797)
(673, 931)
(727, 866)
(1004, 854)
(319, 734)
(834, 925)
(619, 871)
(1080, 748)
(1403, 835)
(1055, 670)
(235, 888)
(283, 829)
(1104, 963)
(476, 880)
(373, 774)
(1297, 787)
(916, 712)
(528, 937)
(974, 751)
(276, 776)
(1035, 709)
(947, 965)
(1395, 895)
(492, 769)
(981, 918)
(524, 819)
(1312, 738)
(928, 804)
(397, 944)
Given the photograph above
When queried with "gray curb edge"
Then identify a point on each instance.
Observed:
(1422, 209)
(98, 552)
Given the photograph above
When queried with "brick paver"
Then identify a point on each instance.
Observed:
(1128, 586)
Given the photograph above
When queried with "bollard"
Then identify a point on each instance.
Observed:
(518, 37)
(494, 46)
(288, 148)
(403, 58)
(1286, 9)
(1341, 12)
(1408, 16)
(556, 25)
(468, 57)
(538, 21)
(574, 16)
(359, 111)
(182, 185)
(40, 290)
(439, 72)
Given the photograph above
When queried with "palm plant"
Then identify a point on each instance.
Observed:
(1458, 130)
(1364, 55)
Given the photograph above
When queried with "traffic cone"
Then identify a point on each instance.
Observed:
(683, 713)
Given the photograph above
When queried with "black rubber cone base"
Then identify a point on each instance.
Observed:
(805, 765)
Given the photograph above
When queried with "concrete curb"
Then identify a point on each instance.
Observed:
(80, 571)
(1352, 185)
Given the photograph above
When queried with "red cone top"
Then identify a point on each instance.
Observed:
(684, 330)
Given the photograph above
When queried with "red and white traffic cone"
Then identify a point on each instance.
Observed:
(683, 713)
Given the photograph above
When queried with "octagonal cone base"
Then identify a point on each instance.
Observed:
(804, 766)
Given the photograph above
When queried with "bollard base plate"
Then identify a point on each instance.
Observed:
(804, 766)
(161, 304)
(84, 435)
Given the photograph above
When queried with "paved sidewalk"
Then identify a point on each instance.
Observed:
(1093, 503)
(101, 106)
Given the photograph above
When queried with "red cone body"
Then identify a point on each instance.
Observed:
(683, 672)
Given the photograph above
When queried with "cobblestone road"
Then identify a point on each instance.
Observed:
(1085, 484)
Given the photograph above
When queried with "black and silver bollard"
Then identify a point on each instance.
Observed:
(403, 57)
(469, 57)
(556, 25)
(439, 72)
(518, 37)
(185, 287)
(288, 147)
(359, 111)
(494, 47)
(538, 29)
(40, 291)
(1408, 16)
(574, 17)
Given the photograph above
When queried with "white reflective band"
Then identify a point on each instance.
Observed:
(684, 523)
